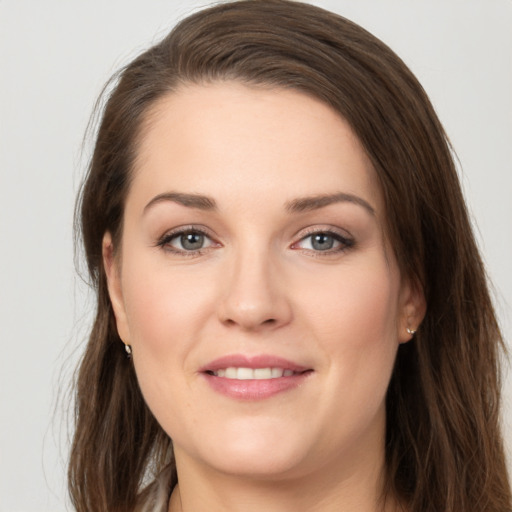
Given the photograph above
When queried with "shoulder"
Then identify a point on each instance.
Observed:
(155, 497)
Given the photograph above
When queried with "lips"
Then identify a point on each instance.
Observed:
(253, 378)
(253, 362)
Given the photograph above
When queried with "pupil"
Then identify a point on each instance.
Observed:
(192, 241)
(322, 242)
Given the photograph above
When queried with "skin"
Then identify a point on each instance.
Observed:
(259, 286)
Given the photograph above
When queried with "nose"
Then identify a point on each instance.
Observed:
(254, 295)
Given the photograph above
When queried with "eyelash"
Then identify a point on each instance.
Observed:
(165, 241)
(345, 243)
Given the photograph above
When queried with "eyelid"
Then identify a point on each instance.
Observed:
(164, 240)
(342, 236)
(345, 240)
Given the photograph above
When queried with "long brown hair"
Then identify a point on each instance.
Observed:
(444, 448)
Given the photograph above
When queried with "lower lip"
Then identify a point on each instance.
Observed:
(254, 389)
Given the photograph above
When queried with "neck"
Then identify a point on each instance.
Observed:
(358, 489)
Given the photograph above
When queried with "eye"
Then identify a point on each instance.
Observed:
(324, 241)
(186, 241)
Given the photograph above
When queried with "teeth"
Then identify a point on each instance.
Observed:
(245, 373)
(231, 373)
(253, 373)
(276, 373)
(262, 373)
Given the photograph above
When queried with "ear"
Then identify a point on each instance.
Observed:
(412, 309)
(113, 274)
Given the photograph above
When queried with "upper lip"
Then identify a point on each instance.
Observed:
(257, 361)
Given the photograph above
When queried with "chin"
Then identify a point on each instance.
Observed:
(269, 463)
(257, 451)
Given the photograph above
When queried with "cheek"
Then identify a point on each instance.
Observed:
(358, 305)
(356, 323)
(168, 308)
(163, 305)
(163, 314)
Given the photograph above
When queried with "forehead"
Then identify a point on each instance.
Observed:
(230, 140)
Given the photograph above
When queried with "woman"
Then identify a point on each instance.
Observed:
(288, 285)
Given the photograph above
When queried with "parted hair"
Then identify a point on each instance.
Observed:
(444, 449)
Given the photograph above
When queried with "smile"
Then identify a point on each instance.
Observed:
(252, 373)
(255, 377)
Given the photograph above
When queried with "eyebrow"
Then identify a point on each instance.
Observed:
(304, 204)
(301, 204)
(189, 200)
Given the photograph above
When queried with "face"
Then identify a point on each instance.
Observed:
(255, 284)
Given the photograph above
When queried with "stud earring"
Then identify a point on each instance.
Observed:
(412, 332)
(128, 350)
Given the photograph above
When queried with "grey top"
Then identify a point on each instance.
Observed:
(156, 499)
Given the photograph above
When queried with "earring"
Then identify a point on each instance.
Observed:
(412, 332)
(128, 350)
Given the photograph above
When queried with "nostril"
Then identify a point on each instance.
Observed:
(268, 322)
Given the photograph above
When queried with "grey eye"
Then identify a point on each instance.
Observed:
(191, 241)
(186, 241)
(322, 241)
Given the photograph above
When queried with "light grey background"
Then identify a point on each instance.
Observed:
(55, 57)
